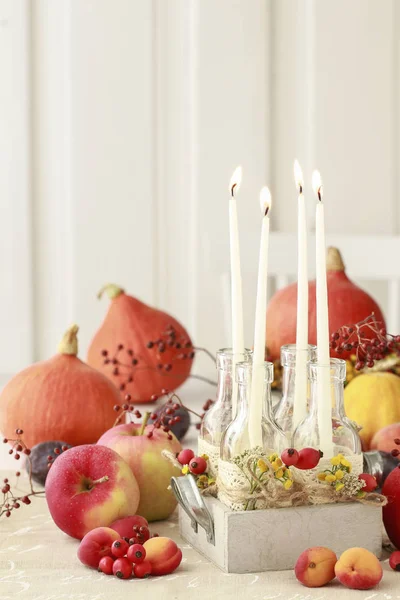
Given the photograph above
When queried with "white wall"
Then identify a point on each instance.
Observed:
(122, 121)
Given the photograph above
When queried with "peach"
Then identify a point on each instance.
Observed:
(152, 471)
(95, 545)
(384, 438)
(315, 566)
(358, 569)
(90, 486)
(125, 526)
(163, 554)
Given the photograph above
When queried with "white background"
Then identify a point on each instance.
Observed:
(121, 122)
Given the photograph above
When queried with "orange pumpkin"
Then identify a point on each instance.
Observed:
(159, 344)
(61, 398)
(348, 304)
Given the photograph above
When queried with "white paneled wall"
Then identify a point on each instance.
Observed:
(122, 121)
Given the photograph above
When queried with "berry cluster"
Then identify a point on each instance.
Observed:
(128, 558)
(196, 466)
(368, 339)
(165, 416)
(11, 501)
(305, 459)
(125, 362)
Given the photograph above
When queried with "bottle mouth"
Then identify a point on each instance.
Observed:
(226, 358)
(244, 372)
(289, 354)
(336, 369)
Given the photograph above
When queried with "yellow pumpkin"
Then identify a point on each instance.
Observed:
(373, 401)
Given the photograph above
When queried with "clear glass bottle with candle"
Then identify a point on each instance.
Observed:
(284, 410)
(345, 439)
(218, 417)
(236, 437)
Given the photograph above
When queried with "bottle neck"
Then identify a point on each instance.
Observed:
(267, 403)
(288, 381)
(224, 388)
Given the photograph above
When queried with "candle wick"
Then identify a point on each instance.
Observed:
(300, 188)
(233, 189)
(266, 211)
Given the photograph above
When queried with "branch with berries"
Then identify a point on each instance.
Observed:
(165, 417)
(11, 500)
(369, 341)
(125, 363)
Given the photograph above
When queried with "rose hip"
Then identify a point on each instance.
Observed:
(370, 482)
(308, 458)
(198, 465)
(142, 569)
(185, 456)
(290, 457)
(136, 553)
(119, 548)
(394, 560)
(106, 565)
(122, 568)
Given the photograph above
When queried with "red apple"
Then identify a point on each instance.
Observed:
(152, 471)
(96, 545)
(125, 526)
(391, 512)
(90, 486)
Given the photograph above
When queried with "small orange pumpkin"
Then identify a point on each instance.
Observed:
(141, 329)
(61, 398)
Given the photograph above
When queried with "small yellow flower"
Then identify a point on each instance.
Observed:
(279, 473)
(203, 478)
(278, 462)
(288, 484)
(262, 465)
(204, 456)
(272, 458)
(335, 461)
(330, 478)
(321, 476)
(289, 474)
(185, 469)
(339, 474)
(345, 462)
(340, 456)
(361, 494)
(339, 486)
(211, 481)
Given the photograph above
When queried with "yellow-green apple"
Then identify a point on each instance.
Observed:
(163, 554)
(95, 545)
(358, 569)
(90, 486)
(152, 471)
(315, 566)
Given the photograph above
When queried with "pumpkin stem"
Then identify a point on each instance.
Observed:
(112, 290)
(334, 261)
(144, 422)
(69, 342)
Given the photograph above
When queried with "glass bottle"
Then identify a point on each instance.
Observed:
(284, 410)
(345, 438)
(236, 437)
(218, 417)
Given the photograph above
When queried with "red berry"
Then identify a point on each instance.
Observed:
(142, 569)
(185, 456)
(106, 565)
(198, 465)
(122, 568)
(119, 548)
(136, 553)
(394, 560)
(370, 482)
(308, 458)
(290, 457)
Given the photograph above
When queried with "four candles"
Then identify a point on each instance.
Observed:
(323, 383)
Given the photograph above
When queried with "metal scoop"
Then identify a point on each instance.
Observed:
(188, 495)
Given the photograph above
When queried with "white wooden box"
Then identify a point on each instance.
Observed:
(273, 539)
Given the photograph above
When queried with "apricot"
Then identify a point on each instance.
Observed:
(163, 554)
(384, 438)
(358, 569)
(315, 566)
